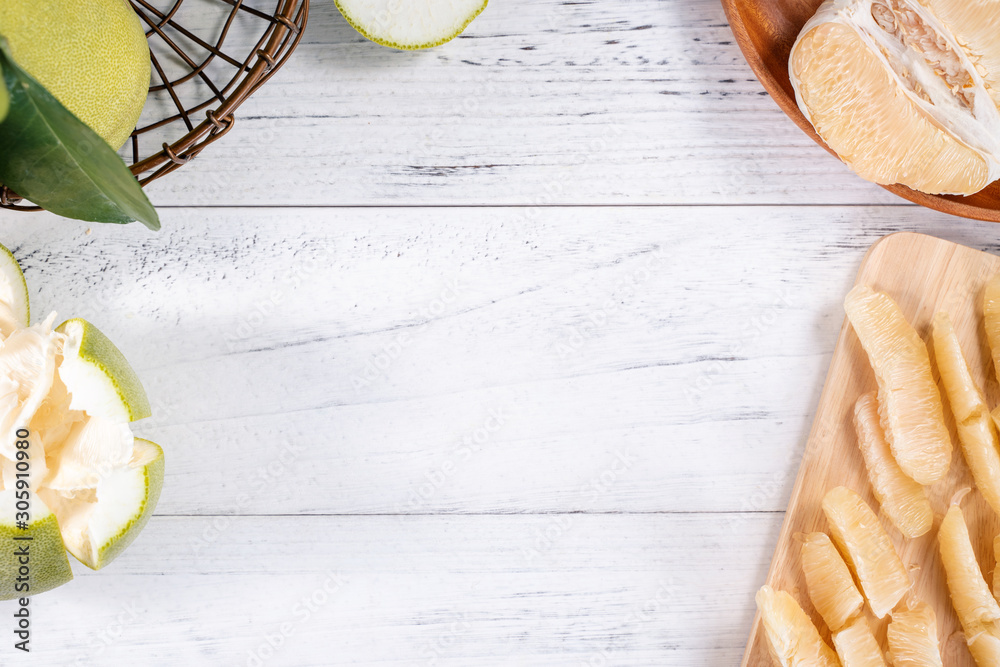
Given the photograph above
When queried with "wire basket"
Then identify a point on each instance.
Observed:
(197, 84)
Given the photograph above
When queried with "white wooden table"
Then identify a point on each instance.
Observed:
(503, 353)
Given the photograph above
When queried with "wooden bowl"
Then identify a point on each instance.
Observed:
(766, 31)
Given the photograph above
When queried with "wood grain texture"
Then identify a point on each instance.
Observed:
(924, 275)
(537, 103)
(766, 30)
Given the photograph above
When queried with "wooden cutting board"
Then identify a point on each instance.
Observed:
(923, 274)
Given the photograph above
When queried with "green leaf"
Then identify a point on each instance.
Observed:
(4, 99)
(49, 156)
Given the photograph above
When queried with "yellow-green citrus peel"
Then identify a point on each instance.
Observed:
(14, 310)
(91, 360)
(92, 55)
(410, 24)
(68, 395)
(47, 566)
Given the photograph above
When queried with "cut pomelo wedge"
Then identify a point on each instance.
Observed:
(98, 376)
(98, 524)
(47, 564)
(410, 24)
(910, 407)
(904, 90)
(857, 646)
(791, 635)
(977, 610)
(829, 582)
(902, 500)
(913, 637)
(869, 551)
(68, 394)
(14, 310)
(976, 431)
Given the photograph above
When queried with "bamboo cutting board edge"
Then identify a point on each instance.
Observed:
(924, 274)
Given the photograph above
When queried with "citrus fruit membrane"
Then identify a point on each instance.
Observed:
(905, 91)
(410, 24)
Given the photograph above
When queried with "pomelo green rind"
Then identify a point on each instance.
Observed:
(10, 272)
(98, 375)
(149, 475)
(383, 35)
(48, 565)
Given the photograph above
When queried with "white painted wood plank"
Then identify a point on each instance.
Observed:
(540, 102)
(655, 590)
(687, 388)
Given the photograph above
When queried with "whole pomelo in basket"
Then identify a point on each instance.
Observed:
(92, 55)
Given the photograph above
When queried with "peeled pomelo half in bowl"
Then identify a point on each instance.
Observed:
(67, 398)
(905, 92)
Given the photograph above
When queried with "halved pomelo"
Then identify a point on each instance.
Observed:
(410, 24)
(14, 310)
(904, 91)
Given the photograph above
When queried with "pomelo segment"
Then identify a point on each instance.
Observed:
(976, 431)
(991, 319)
(857, 646)
(913, 637)
(48, 565)
(910, 408)
(902, 500)
(791, 635)
(977, 610)
(869, 551)
(828, 581)
(98, 524)
(97, 375)
(410, 24)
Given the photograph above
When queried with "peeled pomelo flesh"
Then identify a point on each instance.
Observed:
(791, 635)
(910, 408)
(98, 524)
(75, 394)
(410, 24)
(828, 581)
(977, 433)
(913, 637)
(867, 548)
(991, 319)
(903, 501)
(857, 646)
(904, 91)
(977, 610)
(47, 566)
